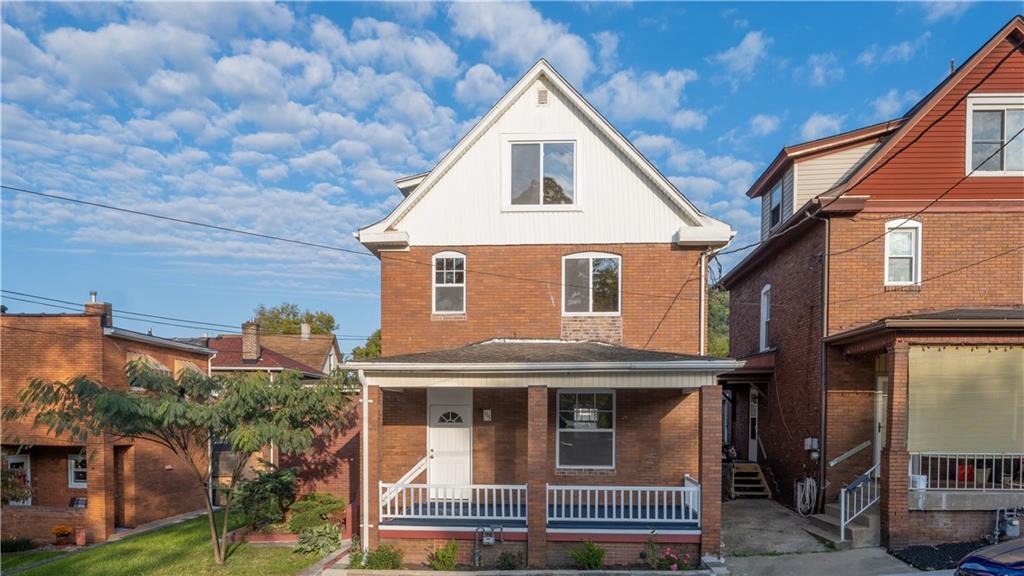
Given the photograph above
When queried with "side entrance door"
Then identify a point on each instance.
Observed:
(23, 463)
(881, 413)
(449, 438)
(752, 447)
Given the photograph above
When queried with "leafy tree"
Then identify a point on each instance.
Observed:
(13, 487)
(369, 350)
(718, 322)
(288, 319)
(247, 411)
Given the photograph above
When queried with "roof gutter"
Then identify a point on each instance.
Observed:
(925, 324)
(722, 365)
(156, 341)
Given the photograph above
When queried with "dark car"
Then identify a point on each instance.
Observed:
(1006, 559)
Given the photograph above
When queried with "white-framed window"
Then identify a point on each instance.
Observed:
(540, 172)
(586, 429)
(766, 317)
(902, 253)
(591, 284)
(775, 205)
(449, 280)
(77, 471)
(992, 122)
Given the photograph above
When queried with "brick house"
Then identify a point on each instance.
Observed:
(107, 483)
(881, 318)
(543, 370)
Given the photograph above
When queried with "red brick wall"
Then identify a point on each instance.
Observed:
(617, 554)
(500, 306)
(499, 446)
(415, 551)
(35, 522)
(332, 463)
(857, 294)
(941, 526)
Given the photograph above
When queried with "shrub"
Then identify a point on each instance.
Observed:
(664, 557)
(315, 509)
(14, 544)
(355, 554)
(387, 557)
(589, 556)
(443, 559)
(510, 561)
(265, 499)
(321, 540)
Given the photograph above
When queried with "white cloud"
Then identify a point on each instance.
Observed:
(273, 173)
(219, 18)
(320, 161)
(900, 52)
(519, 35)
(607, 50)
(247, 77)
(653, 144)
(939, 9)
(628, 97)
(764, 124)
(823, 69)
(387, 46)
(819, 125)
(480, 85)
(892, 103)
(740, 62)
(694, 187)
(267, 141)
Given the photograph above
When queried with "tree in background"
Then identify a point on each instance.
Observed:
(14, 487)
(287, 319)
(718, 323)
(248, 411)
(369, 350)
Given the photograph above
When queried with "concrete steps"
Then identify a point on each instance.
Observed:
(863, 532)
(748, 481)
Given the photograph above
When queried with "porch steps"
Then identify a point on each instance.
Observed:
(748, 481)
(863, 532)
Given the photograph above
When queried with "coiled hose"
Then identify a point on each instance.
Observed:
(806, 496)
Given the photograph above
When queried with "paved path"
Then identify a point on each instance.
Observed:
(859, 562)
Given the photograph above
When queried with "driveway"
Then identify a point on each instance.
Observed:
(764, 538)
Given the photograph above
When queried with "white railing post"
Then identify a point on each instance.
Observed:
(963, 471)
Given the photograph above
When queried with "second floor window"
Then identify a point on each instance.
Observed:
(766, 317)
(775, 206)
(543, 173)
(992, 148)
(449, 283)
(591, 284)
(902, 253)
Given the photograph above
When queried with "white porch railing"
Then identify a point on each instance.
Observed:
(448, 501)
(856, 497)
(965, 471)
(624, 503)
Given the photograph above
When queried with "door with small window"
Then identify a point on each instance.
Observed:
(450, 443)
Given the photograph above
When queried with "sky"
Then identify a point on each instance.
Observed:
(294, 120)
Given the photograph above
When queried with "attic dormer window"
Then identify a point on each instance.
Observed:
(775, 205)
(543, 173)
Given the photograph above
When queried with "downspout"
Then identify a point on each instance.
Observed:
(823, 425)
(703, 303)
(364, 512)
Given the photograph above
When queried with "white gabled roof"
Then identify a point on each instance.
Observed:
(702, 229)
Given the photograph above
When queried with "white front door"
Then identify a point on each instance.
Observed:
(450, 436)
(24, 463)
(752, 447)
(881, 409)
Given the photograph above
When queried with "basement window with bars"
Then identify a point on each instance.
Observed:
(586, 429)
(995, 143)
(78, 473)
(449, 283)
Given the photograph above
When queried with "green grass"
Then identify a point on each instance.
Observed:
(179, 550)
(12, 560)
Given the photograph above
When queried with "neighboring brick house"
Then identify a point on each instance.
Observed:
(543, 306)
(332, 464)
(882, 316)
(107, 483)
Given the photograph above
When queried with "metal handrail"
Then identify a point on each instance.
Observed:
(845, 455)
(856, 497)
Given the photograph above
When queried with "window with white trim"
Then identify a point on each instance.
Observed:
(775, 205)
(543, 173)
(586, 429)
(449, 283)
(902, 253)
(591, 284)
(77, 471)
(994, 147)
(766, 317)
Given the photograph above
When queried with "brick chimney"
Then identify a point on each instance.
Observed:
(102, 309)
(304, 328)
(251, 341)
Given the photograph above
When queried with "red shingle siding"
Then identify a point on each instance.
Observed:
(500, 305)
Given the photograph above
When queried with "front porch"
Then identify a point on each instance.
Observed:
(546, 453)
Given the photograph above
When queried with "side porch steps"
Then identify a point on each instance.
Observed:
(748, 481)
(863, 532)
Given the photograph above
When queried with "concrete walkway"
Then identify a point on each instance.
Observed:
(764, 538)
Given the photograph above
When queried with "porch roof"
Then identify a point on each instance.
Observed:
(958, 319)
(514, 355)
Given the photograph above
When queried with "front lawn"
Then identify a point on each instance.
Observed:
(12, 560)
(179, 550)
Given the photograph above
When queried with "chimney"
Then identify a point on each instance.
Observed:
(102, 309)
(304, 327)
(952, 65)
(251, 341)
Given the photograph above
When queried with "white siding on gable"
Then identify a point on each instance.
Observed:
(615, 203)
(766, 218)
(818, 175)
